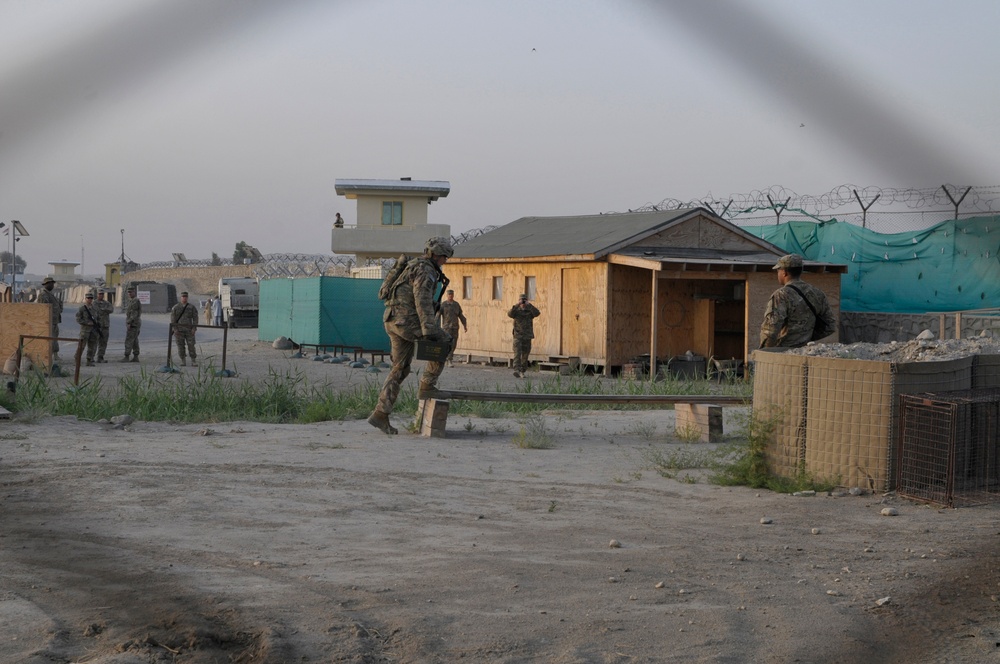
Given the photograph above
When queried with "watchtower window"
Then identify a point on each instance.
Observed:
(392, 213)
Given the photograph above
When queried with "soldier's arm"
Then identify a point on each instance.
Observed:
(461, 317)
(423, 283)
(774, 321)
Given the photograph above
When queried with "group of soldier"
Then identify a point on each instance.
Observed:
(94, 319)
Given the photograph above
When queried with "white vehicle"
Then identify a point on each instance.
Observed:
(240, 301)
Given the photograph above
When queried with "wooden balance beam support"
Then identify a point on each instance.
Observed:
(432, 414)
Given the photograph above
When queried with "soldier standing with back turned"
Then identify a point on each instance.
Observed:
(104, 310)
(184, 316)
(48, 297)
(133, 321)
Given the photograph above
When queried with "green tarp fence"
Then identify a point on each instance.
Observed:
(953, 266)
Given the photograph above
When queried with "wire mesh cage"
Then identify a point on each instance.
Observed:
(950, 447)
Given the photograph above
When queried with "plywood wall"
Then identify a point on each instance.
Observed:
(583, 305)
(687, 315)
(628, 313)
(17, 318)
(700, 232)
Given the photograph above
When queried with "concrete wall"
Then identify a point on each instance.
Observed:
(200, 280)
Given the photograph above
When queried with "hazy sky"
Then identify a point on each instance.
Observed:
(194, 124)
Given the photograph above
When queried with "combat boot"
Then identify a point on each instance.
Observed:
(428, 391)
(126, 359)
(380, 421)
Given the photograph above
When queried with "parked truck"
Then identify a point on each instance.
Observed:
(240, 301)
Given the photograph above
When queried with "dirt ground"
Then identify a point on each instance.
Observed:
(246, 542)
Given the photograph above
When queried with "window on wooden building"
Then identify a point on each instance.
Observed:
(392, 213)
(497, 288)
(466, 288)
(529, 287)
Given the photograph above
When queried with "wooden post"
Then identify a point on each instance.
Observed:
(654, 324)
(703, 418)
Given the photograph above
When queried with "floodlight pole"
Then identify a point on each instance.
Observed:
(13, 259)
(16, 227)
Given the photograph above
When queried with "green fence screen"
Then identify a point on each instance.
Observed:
(953, 266)
(323, 311)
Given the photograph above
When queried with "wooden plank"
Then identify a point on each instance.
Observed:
(528, 397)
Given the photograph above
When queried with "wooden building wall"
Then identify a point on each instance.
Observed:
(628, 313)
(17, 318)
(699, 312)
(571, 296)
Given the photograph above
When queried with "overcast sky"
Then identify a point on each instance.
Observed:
(195, 124)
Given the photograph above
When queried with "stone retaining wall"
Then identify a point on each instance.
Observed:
(879, 327)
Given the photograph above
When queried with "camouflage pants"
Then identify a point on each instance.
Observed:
(185, 338)
(402, 357)
(55, 333)
(102, 345)
(453, 332)
(89, 337)
(132, 340)
(522, 349)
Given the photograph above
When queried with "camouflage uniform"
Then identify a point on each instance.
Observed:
(133, 321)
(788, 321)
(104, 310)
(184, 316)
(48, 297)
(409, 316)
(524, 332)
(451, 316)
(90, 331)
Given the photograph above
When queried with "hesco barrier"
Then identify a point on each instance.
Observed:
(838, 419)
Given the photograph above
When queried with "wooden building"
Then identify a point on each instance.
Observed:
(615, 287)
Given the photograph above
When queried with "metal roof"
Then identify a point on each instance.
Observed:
(436, 188)
(683, 259)
(592, 236)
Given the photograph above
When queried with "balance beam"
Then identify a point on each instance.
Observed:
(433, 412)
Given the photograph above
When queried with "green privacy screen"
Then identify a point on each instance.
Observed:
(323, 311)
(952, 266)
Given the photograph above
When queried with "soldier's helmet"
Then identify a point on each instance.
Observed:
(48, 280)
(439, 246)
